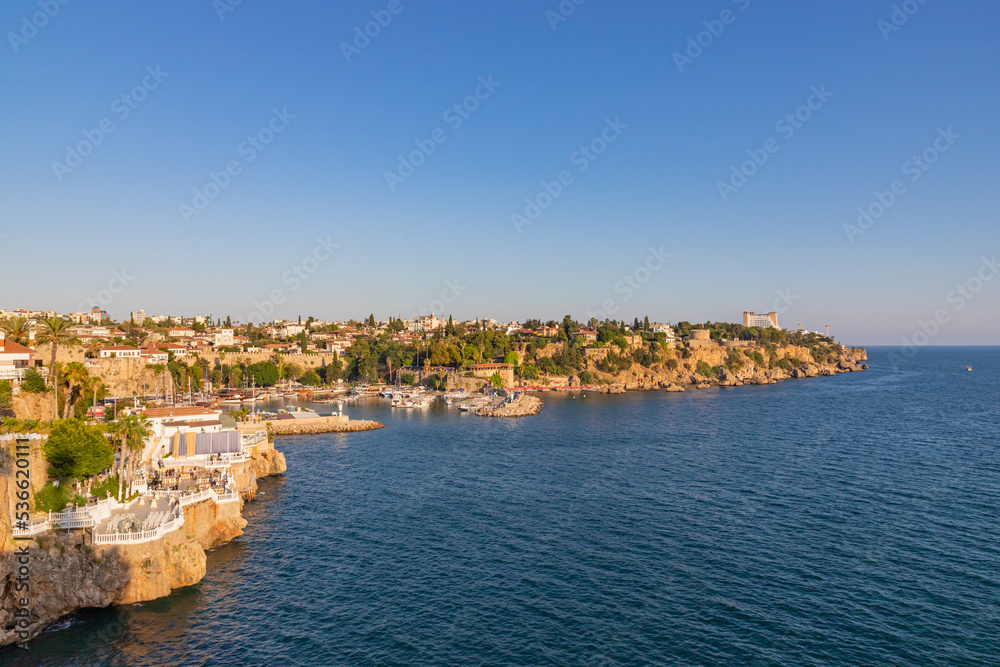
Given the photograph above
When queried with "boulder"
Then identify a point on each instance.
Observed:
(674, 388)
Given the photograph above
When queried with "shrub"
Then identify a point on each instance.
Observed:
(705, 370)
(6, 395)
(496, 380)
(54, 498)
(407, 378)
(511, 358)
(672, 364)
(33, 382)
(310, 379)
(586, 377)
(528, 371)
(757, 358)
(108, 486)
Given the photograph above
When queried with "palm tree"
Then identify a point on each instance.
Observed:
(15, 328)
(131, 431)
(74, 376)
(55, 330)
(117, 429)
(138, 429)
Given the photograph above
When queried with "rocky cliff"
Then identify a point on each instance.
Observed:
(800, 364)
(66, 572)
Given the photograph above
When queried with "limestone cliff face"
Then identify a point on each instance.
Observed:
(64, 575)
(67, 573)
(211, 525)
(155, 568)
(38, 469)
(638, 378)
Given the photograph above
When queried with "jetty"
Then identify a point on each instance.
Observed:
(331, 424)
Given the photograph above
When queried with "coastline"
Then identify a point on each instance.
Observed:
(67, 571)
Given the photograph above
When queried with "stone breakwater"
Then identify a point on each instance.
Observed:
(321, 425)
(523, 406)
(68, 572)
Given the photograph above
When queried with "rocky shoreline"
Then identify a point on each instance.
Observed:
(523, 406)
(749, 374)
(68, 572)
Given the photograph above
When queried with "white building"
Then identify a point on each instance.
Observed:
(760, 320)
(119, 352)
(14, 359)
(138, 317)
(222, 337)
(166, 423)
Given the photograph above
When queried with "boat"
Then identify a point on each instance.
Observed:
(968, 368)
(365, 390)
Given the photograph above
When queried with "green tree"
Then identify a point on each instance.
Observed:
(76, 450)
(705, 370)
(310, 378)
(263, 374)
(407, 379)
(511, 358)
(6, 395)
(33, 382)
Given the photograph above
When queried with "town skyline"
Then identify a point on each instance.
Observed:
(706, 168)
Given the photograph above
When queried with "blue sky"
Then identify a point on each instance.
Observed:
(265, 242)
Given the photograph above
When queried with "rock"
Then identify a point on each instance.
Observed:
(674, 388)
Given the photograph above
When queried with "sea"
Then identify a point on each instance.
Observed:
(850, 520)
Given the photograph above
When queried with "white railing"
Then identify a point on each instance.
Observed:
(227, 497)
(141, 536)
(252, 439)
(35, 526)
(197, 497)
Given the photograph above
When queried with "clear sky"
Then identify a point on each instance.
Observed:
(310, 117)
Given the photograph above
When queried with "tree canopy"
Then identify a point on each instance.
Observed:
(77, 450)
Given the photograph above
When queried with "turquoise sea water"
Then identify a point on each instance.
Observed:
(849, 520)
